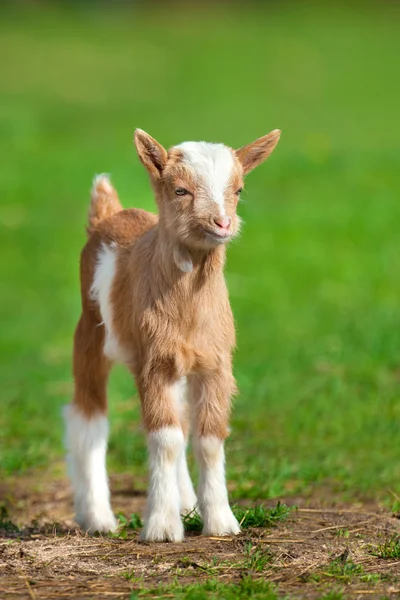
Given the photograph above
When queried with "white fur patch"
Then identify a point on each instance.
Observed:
(213, 164)
(100, 292)
(182, 259)
(86, 442)
(163, 520)
(213, 495)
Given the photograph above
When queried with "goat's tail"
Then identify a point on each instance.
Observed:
(104, 202)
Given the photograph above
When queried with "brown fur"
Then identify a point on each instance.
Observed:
(169, 323)
(255, 153)
(103, 204)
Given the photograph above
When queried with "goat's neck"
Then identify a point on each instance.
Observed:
(177, 260)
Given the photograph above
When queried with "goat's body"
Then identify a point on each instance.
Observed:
(170, 329)
(154, 298)
(154, 317)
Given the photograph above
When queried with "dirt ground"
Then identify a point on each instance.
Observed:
(49, 558)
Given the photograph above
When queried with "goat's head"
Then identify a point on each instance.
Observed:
(198, 185)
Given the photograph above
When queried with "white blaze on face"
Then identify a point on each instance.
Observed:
(212, 164)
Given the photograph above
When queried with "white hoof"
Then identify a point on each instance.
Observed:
(220, 521)
(102, 521)
(162, 528)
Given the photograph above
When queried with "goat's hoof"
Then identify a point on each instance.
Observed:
(163, 528)
(220, 522)
(103, 521)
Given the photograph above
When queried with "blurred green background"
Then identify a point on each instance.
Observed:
(315, 277)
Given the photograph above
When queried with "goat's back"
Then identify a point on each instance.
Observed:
(122, 229)
(125, 227)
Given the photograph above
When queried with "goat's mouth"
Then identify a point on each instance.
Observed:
(218, 236)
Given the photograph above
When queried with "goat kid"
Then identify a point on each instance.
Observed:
(154, 298)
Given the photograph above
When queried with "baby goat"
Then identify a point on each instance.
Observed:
(154, 297)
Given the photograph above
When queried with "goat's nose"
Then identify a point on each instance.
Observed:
(223, 222)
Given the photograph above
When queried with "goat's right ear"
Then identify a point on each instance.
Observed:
(255, 153)
(151, 153)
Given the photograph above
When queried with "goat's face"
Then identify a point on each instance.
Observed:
(201, 187)
(198, 186)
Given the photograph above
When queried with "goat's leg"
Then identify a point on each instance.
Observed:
(209, 395)
(188, 498)
(87, 430)
(166, 444)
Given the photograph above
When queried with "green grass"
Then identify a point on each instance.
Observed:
(375, 578)
(261, 516)
(314, 279)
(212, 590)
(127, 525)
(396, 509)
(345, 533)
(192, 521)
(389, 549)
(256, 559)
(332, 595)
(344, 570)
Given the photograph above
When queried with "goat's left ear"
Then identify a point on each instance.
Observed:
(151, 153)
(253, 154)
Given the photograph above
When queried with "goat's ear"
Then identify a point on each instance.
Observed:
(150, 152)
(253, 154)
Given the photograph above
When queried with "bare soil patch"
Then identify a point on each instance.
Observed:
(49, 558)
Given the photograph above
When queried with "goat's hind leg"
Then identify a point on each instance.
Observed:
(87, 430)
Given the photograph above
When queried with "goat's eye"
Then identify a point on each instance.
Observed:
(238, 191)
(181, 192)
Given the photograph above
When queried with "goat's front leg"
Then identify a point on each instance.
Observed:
(209, 396)
(166, 445)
